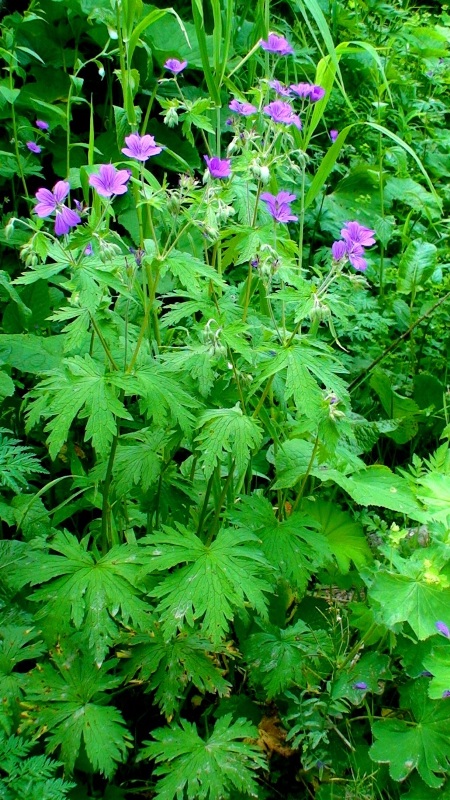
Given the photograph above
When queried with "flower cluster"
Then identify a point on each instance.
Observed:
(355, 238)
(310, 90)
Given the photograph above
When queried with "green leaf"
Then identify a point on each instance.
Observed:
(292, 460)
(190, 270)
(371, 669)
(403, 409)
(227, 430)
(17, 644)
(423, 744)
(417, 593)
(438, 663)
(69, 700)
(170, 667)
(95, 594)
(17, 463)
(293, 547)
(27, 776)
(30, 353)
(138, 460)
(217, 579)
(416, 266)
(344, 535)
(85, 390)
(434, 491)
(378, 486)
(221, 766)
(279, 658)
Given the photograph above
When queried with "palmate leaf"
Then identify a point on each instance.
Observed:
(82, 389)
(170, 667)
(216, 579)
(69, 701)
(163, 399)
(96, 595)
(423, 745)
(278, 658)
(416, 593)
(294, 547)
(227, 430)
(138, 460)
(345, 536)
(218, 767)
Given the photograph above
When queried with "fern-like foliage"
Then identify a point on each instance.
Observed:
(209, 582)
(69, 700)
(17, 462)
(27, 777)
(219, 767)
(170, 667)
(96, 594)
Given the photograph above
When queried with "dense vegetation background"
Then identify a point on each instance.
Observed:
(224, 463)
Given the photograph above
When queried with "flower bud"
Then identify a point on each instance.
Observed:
(171, 118)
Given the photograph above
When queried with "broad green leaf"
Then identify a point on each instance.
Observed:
(401, 409)
(378, 486)
(29, 353)
(423, 744)
(95, 594)
(292, 460)
(345, 536)
(221, 766)
(416, 266)
(69, 701)
(438, 663)
(208, 582)
(280, 658)
(418, 593)
(138, 460)
(190, 271)
(227, 430)
(170, 668)
(371, 669)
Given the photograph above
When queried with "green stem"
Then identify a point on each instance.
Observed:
(306, 476)
(109, 538)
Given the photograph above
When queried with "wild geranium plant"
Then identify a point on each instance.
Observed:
(215, 586)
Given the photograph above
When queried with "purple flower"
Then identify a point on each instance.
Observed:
(280, 88)
(301, 89)
(277, 44)
(141, 147)
(442, 628)
(50, 202)
(44, 126)
(317, 92)
(446, 693)
(88, 250)
(426, 674)
(218, 168)
(109, 180)
(354, 233)
(33, 147)
(244, 109)
(334, 134)
(355, 254)
(339, 250)
(175, 66)
(360, 685)
(282, 112)
(279, 206)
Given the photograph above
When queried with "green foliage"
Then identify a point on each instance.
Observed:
(69, 701)
(28, 777)
(217, 579)
(219, 766)
(422, 743)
